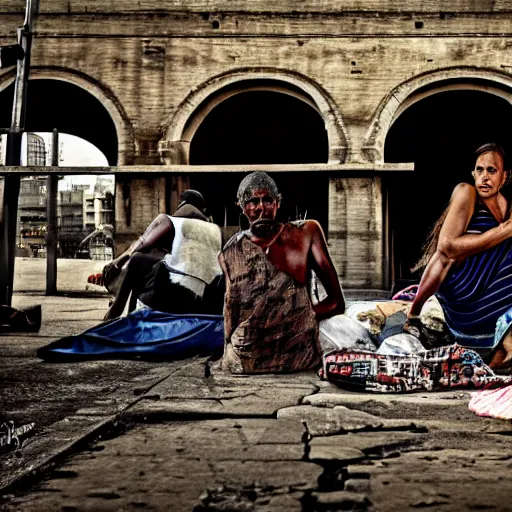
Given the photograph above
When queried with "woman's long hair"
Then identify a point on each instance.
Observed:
(430, 246)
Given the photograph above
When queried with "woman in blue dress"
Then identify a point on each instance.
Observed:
(469, 261)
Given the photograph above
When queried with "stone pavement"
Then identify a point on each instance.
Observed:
(175, 436)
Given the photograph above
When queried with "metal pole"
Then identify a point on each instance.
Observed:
(13, 156)
(51, 219)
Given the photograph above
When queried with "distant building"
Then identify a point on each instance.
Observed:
(82, 212)
(32, 203)
(99, 209)
(79, 213)
(32, 217)
(36, 150)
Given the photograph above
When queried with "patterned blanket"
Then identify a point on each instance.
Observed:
(449, 367)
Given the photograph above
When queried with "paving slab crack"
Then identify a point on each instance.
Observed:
(27, 475)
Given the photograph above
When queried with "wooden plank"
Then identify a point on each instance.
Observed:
(338, 169)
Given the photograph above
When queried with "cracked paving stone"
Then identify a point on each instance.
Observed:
(360, 471)
(282, 503)
(198, 399)
(444, 480)
(330, 398)
(178, 461)
(250, 498)
(294, 474)
(103, 493)
(358, 485)
(325, 421)
(249, 439)
(342, 498)
(344, 456)
(378, 443)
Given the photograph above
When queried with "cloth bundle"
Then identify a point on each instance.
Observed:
(449, 367)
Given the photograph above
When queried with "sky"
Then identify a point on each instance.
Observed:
(76, 152)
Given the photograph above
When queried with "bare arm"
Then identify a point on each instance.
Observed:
(334, 303)
(467, 245)
(160, 226)
(454, 245)
(434, 274)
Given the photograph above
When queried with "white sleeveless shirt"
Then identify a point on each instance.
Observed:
(193, 260)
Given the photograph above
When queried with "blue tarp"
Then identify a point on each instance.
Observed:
(144, 333)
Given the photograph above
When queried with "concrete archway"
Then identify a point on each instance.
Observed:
(188, 116)
(103, 101)
(422, 86)
(258, 117)
(258, 125)
(438, 127)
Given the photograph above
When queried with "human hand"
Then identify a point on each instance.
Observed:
(120, 261)
(413, 325)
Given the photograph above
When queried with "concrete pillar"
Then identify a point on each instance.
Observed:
(355, 231)
(138, 202)
(175, 153)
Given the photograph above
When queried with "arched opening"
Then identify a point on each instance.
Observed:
(85, 204)
(68, 108)
(439, 133)
(263, 127)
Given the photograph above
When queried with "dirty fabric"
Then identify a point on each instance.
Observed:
(400, 344)
(270, 325)
(493, 403)
(449, 367)
(478, 291)
(340, 331)
(192, 262)
(143, 333)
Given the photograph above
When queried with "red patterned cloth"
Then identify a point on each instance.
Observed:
(450, 367)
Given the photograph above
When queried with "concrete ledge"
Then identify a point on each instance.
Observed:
(336, 169)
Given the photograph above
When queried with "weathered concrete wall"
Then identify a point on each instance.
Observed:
(355, 230)
(150, 62)
(149, 58)
(137, 200)
(283, 6)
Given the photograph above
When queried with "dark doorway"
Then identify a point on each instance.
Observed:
(439, 134)
(262, 127)
(67, 107)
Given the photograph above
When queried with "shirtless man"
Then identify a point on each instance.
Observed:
(270, 323)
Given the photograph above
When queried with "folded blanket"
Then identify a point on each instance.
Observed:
(451, 367)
